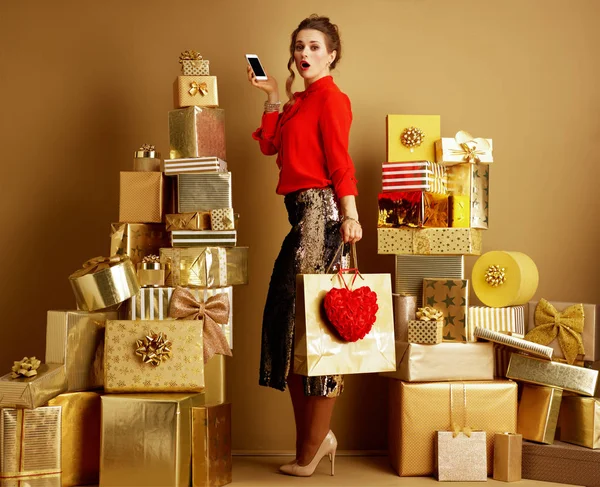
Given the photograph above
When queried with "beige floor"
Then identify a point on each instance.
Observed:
(350, 471)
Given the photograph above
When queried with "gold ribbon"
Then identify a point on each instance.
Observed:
(458, 405)
(566, 325)
(214, 311)
(428, 313)
(196, 88)
(27, 367)
(97, 264)
(154, 349)
(457, 429)
(470, 147)
(412, 137)
(190, 55)
(146, 148)
(151, 259)
(495, 275)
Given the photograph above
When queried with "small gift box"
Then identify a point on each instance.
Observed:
(461, 457)
(146, 159)
(199, 91)
(421, 175)
(137, 240)
(412, 137)
(31, 391)
(579, 421)
(412, 209)
(150, 272)
(509, 320)
(463, 148)
(508, 450)
(538, 413)
(514, 342)
(192, 64)
(459, 211)
(427, 328)
(203, 192)
(451, 297)
(203, 238)
(222, 219)
(468, 187)
(405, 306)
(194, 165)
(141, 197)
(429, 241)
(197, 132)
(195, 220)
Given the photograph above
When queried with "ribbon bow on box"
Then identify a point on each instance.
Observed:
(196, 88)
(190, 55)
(25, 368)
(97, 264)
(470, 147)
(566, 325)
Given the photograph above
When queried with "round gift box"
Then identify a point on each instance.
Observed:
(521, 279)
(151, 274)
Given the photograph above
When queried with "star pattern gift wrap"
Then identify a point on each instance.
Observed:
(508, 451)
(427, 126)
(211, 445)
(203, 192)
(200, 91)
(451, 297)
(30, 446)
(461, 457)
(33, 392)
(412, 209)
(469, 184)
(421, 175)
(197, 132)
(538, 413)
(141, 197)
(510, 320)
(419, 410)
(429, 241)
(579, 421)
(147, 439)
(127, 362)
(137, 240)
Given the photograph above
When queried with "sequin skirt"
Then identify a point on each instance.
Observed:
(308, 248)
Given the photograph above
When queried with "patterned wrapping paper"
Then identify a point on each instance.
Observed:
(538, 413)
(211, 445)
(197, 132)
(203, 238)
(30, 441)
(200, 91)
(193, 165)
(405, 307)
(50, 381)
(153, 432)
(396, 124)
(137, 240)
(141, 197)
(412, 209)
(195, 67)
(509, 320)
(76, 339)
(429, 241)
(451, 297)
(195, 220)
(421, 175)
(514, 343)
(203, 192)
(419, 410)
(425, 332)
(579, 421)
(124, 371)
(471, 181)
(222, 219)
(80, 417)
(462, 458)
(508, 450)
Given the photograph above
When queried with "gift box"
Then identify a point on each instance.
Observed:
(463, 148)
(514, 343)
(419, 410)
(76, 339)
(444, 362)
(33, 392)
(567, 317)
(150, 272)
(203, 238)
(193, 165)
(412, 209)
(195, 220)
(405, 307)
(150, 304)
(151, 356)
(203, 192)
(153, 432)
(412, 137)
(508, 450)
(579, 421)
(146, 159)
(509, 320)
(192, 64)
(222, 219)
(469, 185)
(553, 374)
(425, 332)
(141, 197)
(30, 445)
(211, 445)
(215, 380)
(199, 91)
(137, 240)
(197, 132)
(205, 266)
(80, 437)
(461, 457)
(421, 175)
(429, 241)
(451, 297)
(538, 413)
(459, 211)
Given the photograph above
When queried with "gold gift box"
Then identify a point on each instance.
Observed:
(30, 446)
(137, 240)
(80, 413)
(579, 421)
(203, 191)
(425, 332)
(197, 132)
(459, 211)
(449, 151)
(430, 128)
(461, 458)
(429, 241)
(199, 91)
(151, 274)
(33, 392)
(195, 220)
(419, 410)
(76, 339)
(141, 197)
(215, 380)
(211, 445)
(195, 67)
(124, 371)
(412, 209)
(538, 413)
(222, 219)
(146, 159)
(554, 374)
(509, 320)
(147, 439)
(508, 450)
(451, 297)
(469, 183)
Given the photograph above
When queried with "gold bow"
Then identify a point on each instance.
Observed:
(146, 148)
(471, 148)
(27, 367)
(190, 55)
(196, 88)
(151, 259)
(214, 311)
(154, 348)
(457, 429)
(429, 313)
(566, 325)
(97, 264)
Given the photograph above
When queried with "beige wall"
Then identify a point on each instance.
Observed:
(81, 87)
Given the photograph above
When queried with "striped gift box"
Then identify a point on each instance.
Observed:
(203, 192)
(203, 238)
(425, 175)
(510, 320)
(194, 165)
(531, 348)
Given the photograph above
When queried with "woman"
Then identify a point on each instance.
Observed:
(310, 138)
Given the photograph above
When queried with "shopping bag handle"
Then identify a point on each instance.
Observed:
(353, 257)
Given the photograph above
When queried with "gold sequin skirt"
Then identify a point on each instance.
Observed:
(308, 248)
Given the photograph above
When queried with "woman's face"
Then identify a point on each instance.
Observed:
(311, 56)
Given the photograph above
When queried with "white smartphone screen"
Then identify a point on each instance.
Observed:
(257, 67)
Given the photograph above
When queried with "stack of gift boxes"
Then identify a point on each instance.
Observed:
(455, 409)
(152, 327)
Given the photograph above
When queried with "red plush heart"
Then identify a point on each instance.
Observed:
(352, 313)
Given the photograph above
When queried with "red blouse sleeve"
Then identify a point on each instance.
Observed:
(334, 122)
(266, 133)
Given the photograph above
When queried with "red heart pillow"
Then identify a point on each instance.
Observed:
(352, 313)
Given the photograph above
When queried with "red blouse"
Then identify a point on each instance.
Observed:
(310, 139)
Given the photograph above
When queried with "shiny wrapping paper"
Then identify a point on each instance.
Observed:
(30, 446)
(568, 377)
(205, 266)
(203, 192)
(211, 445)
(406, 176)
(319, 351)
(509, 320)
(151, 274)
(538, 413)
(448, 151)
(462, 458)
(50, 381)
(141, 197)
(200, 91)
(591, 329)
(451, 297)
(419, 410)
(396, 124)
(147, 439)
(459, 211)
(80, 458)
(514, 342)
(203, 238)
(195, 67)
(197, 132)
(146, 159)
(579, 421)
(76, 339)
(215, 380)
(425, 332)
(501, 359)
(222, 219)
(470, 184)
(429, 241)
(508, 450)
(194, 165)
(137, 240)
(443, 362)
(124, 371)
(195, 220)
(405, 307)
(412, 209)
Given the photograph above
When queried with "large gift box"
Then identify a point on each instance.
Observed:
(194, 165)
(153, 356)
(463, 148)
(509, 320)
(469, 184)
(137, 240)
(200, 91)
(147, 439)
(194, 220)
(429, 241)
(422, 175)
(33, 392)
(76, 339)
(419, 410)
(538, 413)
(203, 238)
(203, 192)
(412, 137)
(141, 197)
(579, 421)
(451, 297)
(197, 132)
(412, 209)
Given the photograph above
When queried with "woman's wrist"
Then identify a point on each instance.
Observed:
(349, 218)
(273, 97)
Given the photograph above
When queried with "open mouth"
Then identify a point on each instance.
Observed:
(304, 65)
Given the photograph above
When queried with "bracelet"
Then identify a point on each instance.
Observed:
(352, 219)
(272, 107)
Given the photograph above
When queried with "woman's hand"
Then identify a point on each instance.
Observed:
(269, 86)
(351, 231)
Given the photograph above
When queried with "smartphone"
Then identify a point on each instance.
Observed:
(259, 71)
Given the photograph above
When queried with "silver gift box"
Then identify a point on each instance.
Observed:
(203, 192)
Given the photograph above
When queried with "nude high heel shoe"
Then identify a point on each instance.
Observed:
(327, 447)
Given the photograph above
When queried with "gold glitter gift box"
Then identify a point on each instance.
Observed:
(451, 297)
(508, 451)
(137, 240)
(538, 413)
(461, 457)
(197, 132)
(412, 209)
(141, 197)
(199, 91)
(579, 421)
(33, 392)
(422, 148)
(429, 241)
